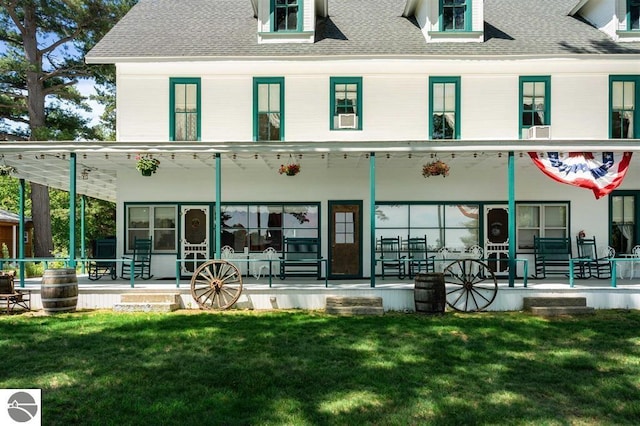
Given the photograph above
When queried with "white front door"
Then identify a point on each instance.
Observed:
(496, 241)
(194, 244)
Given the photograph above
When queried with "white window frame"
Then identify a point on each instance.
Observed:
(525, 233)
(151, 229)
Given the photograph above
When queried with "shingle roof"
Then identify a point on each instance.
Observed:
(7, 216)
(156, 29)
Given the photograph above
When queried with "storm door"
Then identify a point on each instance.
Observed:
(496, 244)
(194, 243)
(345, 239)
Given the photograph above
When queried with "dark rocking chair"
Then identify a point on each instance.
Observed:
(592, 266)
(392, 260)
(141, 260)
(419, 259)
(103, 249)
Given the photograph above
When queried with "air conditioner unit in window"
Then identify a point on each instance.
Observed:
(539, 132)
(347, 121)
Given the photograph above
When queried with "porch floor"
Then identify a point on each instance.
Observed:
(309, 293)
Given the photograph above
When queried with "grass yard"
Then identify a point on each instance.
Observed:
(308, 368)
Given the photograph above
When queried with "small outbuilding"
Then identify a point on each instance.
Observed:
(9, 231)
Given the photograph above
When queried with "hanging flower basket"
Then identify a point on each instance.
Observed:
(7, 170)
(290, 169)
(435, 168)
(146, 164)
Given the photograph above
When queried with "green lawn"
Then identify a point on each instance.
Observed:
(308, 368)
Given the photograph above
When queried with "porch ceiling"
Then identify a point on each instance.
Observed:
(98, 164)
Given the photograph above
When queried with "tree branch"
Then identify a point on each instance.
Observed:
(61, 41)
(11, 10)
(57, 87)
(13, 95)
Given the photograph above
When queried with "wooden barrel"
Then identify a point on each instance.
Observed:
(59, 291)
(429, 293)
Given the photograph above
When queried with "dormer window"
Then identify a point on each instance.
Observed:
(455, 15)
(287, 15)
(287, 21)
(633, 14)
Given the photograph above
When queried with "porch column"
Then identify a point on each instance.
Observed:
(218, 217)
(372, 215)
(83, 251)
(72, 210)
(21, 233)
(512, 219)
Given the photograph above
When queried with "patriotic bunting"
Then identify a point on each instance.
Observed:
(600, 172)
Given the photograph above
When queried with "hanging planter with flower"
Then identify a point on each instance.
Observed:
(435, 168)
(146, 164)
(290, 169)
(6, 170)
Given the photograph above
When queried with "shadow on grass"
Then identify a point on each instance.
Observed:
(309, 368)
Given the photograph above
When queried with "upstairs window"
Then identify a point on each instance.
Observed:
(268, 105)
(623, 92)
(184, 98)
(346, 103)
(287, 15)
(455, 15)
(633, 14)
(534, 103)
(444, 104)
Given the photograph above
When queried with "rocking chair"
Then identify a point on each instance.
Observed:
(419, 259)
(391, 258)
(592, 265)
(103, 249)
(141, 260)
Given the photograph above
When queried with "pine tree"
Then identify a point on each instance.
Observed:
(42, 45)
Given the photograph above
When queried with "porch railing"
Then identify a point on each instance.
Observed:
(248, 261)
(64, 260)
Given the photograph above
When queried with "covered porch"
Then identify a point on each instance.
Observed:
(94, 169)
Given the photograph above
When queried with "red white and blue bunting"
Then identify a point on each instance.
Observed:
(601, 172)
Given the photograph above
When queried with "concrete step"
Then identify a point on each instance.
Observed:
(554, 311)
(150, 298)
(145, 307)
(148, 302)
(354, 310)
(529, 302)
(342, 305)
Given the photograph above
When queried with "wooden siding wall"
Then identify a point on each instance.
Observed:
(395, 98)
(6, 237)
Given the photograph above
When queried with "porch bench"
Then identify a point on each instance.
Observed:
(552, 256)
(300, 258)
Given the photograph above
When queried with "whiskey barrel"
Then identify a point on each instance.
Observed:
(429, 293)
(59, 291)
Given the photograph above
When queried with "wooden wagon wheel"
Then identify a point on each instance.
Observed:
(216, 284)
(471, 285)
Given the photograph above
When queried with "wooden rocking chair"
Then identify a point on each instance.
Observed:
(141, 260)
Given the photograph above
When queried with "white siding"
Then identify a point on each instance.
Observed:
(489, 107)
(395, 97)
(143, 108)
(576, 97)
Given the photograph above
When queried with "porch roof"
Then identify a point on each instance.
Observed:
(98, 162)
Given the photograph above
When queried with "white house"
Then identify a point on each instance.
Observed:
(362, 94)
